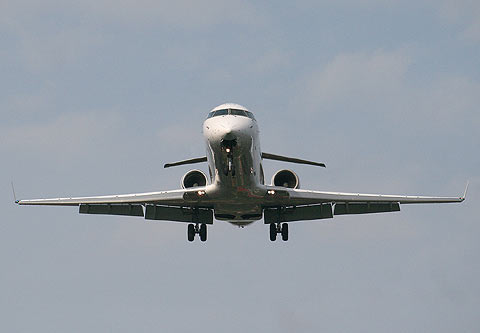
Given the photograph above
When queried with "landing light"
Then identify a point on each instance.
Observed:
(201, 193)
(271, 192)
(227, 150)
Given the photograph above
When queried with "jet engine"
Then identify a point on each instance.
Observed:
(286, 178)
(194, 178)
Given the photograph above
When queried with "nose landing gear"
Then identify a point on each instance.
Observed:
(230, 167)
(227, 146)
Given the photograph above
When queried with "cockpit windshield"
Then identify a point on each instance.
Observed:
(221, 112)
(233, 112)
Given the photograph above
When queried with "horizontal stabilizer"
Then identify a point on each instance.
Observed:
(290, 159)
(190, 161)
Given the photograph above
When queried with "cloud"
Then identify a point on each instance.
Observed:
(465, 13)
(450, 102)
(28, 103)
(375, 111)
(269, 61)
(57, 48)
(357, 76)
(378, 83)
(68, 133)
(49, 34)
(182, 13)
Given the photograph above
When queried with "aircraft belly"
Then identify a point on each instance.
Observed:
(238, 213)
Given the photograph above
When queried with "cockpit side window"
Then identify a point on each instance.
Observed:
(250, 115)
(223, 112)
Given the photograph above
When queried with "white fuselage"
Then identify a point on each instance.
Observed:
(234, 161)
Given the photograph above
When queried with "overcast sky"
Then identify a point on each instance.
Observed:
(95, 96)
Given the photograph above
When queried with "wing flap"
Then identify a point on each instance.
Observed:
(109, 209)
(179, 214)
(290, 214)
(366, 207)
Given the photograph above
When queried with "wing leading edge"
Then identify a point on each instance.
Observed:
(175, 197)
(307, 197)
(186, 205)
(288, 205)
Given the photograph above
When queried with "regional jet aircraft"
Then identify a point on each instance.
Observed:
(235, 190)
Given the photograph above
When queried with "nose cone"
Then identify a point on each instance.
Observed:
(233, 127)
(228, 128)
(229, 134)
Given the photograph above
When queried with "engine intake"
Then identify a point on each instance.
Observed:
(286, 178)
(194, 178)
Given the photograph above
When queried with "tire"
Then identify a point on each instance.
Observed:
(273, 232)
(285, 231)
(190, 232)
(203, 232)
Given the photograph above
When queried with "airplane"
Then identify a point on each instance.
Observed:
(235, 189)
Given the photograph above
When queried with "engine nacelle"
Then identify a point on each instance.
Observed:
(286, 178)
(194, 178)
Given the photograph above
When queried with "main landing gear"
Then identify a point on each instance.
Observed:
(278, 228)
(194, 229)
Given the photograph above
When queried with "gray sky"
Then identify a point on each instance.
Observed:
(96, 96)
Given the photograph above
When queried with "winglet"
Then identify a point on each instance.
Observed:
(14, 195)
(465, 193)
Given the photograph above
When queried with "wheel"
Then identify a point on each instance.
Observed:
(203, 232)
(285, 231)
(273, 232)
(190, 232)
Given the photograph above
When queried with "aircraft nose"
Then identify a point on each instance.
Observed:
(229, 134)
(229, 128)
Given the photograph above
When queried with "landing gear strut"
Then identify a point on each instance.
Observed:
(194, 229)
(228, 146)
(278, 228)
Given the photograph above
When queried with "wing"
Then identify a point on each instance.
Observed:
(298, 205)
(306, 197)
(175, 198)
(186, 205)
